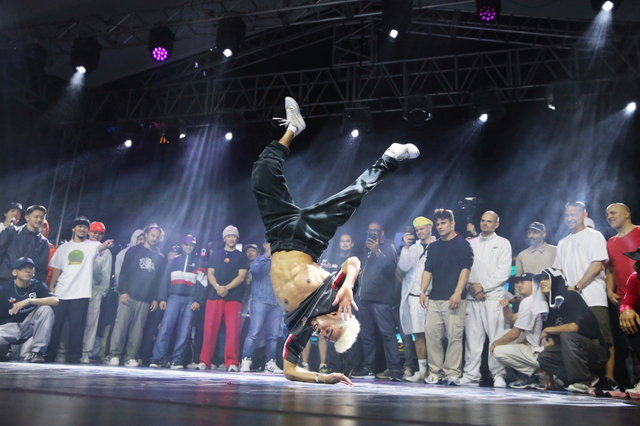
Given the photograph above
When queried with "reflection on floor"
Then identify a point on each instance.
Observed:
(54, 394)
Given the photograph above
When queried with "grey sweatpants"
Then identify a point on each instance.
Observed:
(37, 324)
(130, 321)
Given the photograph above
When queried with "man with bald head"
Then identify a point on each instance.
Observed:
(618, 270)
(627, 239)
(491, 269)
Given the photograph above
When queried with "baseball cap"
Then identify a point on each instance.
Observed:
(20, 262)
(537, 226)
(98, 227)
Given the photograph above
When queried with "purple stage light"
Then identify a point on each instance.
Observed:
(487, 13)
(160, 54)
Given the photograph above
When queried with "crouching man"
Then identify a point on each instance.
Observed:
(25, 311)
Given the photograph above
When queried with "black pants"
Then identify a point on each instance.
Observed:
(75, 311)
(573, 358)
(307, 230)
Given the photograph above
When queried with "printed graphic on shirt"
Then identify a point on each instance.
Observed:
(76, 257)
(147, 264)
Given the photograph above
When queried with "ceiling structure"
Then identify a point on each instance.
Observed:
(329, 54)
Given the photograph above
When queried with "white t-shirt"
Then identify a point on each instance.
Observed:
(576, 252)
(75, 260)
(529, 323)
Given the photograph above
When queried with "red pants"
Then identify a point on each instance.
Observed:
(216, 311)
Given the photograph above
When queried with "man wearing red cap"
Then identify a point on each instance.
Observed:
(101, 281)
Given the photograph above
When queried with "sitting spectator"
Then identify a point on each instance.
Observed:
(25, 311)
(574, 346)
(25, 241)
(510, 349)
(265, 313)
(139, 278)
(181, 286)
(12, 214)
(630, 309)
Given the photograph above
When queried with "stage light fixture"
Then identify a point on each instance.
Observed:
(85, 53)
(81, 69)
(396, 17)
(231, 124)
(608, 5)
(566, 95)
(485, 101)
(417, 109)
(161, 43)
(483, 118)
(631, 107)
(357, 121)
(230, 35)
(488, 10)
(128, 143)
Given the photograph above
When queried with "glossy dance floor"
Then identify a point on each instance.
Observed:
(53, 394)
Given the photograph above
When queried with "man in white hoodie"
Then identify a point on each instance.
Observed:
(491, 269)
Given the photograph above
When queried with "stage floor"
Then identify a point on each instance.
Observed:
(55, 394)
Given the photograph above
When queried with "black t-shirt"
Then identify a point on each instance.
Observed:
(9, 296)
(226, 265)
(575, 309)
(445, 260)
(317, 303)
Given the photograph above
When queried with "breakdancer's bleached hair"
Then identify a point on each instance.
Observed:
(350, 329)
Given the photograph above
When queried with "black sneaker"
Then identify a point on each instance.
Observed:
(325, 370)
(608, 385)
(396, 376)
(526, 383)
(363, 374)
(37, 358)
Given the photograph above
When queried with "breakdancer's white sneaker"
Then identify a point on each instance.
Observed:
(402, 151)
(294, 120)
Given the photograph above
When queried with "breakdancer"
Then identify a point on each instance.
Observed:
(312, 298)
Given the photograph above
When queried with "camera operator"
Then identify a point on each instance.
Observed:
(377, 285)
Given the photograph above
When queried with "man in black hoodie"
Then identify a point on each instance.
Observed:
(140, 277)
(25, 241)
(573, 344)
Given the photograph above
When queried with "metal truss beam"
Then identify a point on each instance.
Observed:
(521, 75)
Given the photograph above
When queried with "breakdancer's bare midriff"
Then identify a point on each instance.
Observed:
(294, 275)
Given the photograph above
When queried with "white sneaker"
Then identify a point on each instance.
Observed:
(465, 381)
(201, 366)
(245, 367)
(232, 368)
(114, 361)
(176, 366)
(84, 359)
(294, 120)
(579, 388)
(499, 382)
(402, 151)
(192, 366)
(417, 377)
(131, 363)
(305, 365)
(408, 372)
(433, 379)
(154, 365)
(272, 367)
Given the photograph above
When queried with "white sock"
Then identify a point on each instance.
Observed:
(422, 364)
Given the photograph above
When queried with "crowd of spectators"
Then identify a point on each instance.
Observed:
(562, 317)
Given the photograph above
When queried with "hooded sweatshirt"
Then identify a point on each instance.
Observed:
(141, 273)
(123, 252)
